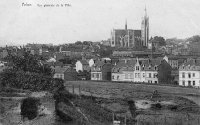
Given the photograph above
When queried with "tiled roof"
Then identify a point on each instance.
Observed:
(84, 62)
(59, 69)
(129, 65)
(123, 65)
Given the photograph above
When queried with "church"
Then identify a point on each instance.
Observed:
(130, 38)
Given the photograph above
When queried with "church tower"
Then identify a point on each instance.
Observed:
(145, 29)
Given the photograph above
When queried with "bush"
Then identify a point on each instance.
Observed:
(29, 108)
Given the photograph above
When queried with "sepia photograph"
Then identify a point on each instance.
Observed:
(99, 62)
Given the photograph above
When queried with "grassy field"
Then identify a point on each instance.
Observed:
(122, 88)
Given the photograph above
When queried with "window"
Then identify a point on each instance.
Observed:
(189, 75)
(183, 75)
(189, 83)
(156, 82)
(143, 74)
(113, 77)
(97, 75)
(92, 75)
(135, 75)
(149, 75)
(183, 83)
(137, 68)
(193, 74)
(117, 77)
(154, 76)
(138, 75)
(193, 83)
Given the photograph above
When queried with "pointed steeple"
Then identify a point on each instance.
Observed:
(145, 11)
(126, 25)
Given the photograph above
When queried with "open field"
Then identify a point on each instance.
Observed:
(121, 89)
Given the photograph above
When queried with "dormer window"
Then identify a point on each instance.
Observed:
(137, 68)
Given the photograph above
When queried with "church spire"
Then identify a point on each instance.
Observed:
(126, 25)
(145, 11)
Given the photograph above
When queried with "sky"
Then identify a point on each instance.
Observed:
(93, 20)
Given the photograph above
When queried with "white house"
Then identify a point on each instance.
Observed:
(123, 70)
(2, 64)
(91, 62)
(189, 74)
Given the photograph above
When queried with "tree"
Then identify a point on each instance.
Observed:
(105, 51)
(160, 40)
(86, 42)
(78, 43)
(195, 38)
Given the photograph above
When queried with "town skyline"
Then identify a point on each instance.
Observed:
(94, 20)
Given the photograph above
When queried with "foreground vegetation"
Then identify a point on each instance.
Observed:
(27, 71)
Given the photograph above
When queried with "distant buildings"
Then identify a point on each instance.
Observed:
(130, 38)
(131, 53)
(65, 73)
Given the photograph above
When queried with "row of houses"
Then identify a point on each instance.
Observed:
(133, 70)
(163, 70)
(183, 72)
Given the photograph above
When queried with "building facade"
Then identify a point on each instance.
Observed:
(189, 74)
(101, 70)
(136, 70)
(82, 65)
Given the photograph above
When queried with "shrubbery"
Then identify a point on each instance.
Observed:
(28, 72)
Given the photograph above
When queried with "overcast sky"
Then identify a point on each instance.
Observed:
(94, 19)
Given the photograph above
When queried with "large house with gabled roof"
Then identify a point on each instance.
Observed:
(101, 70)
(136, 70)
